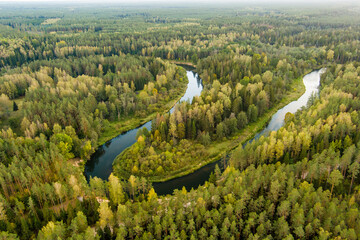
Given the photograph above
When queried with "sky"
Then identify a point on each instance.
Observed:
(178, 1)
(166, 3)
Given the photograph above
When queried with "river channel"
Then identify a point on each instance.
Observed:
(193, 180)
(100, 164)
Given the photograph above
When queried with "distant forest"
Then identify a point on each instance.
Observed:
(73, 77)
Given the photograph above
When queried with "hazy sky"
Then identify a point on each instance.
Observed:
(179, 1)
(165, 3)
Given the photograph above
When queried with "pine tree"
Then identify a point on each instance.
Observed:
(15, 106)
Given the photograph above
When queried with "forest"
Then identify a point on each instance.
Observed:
(72, 78)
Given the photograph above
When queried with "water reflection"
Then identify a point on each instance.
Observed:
(193, 180)
(100, 164)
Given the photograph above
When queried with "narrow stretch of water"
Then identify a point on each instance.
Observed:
(312, 83)
(193, 180)
(100, 163)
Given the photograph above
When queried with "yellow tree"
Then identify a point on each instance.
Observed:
(152, 194)
(5, 105)
(330, 55)
(115, 190)
(52, 231)
(106, 215)
(133, 184)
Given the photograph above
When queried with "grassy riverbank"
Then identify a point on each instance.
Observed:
(216, 150)
(190, 64)
(113, 129)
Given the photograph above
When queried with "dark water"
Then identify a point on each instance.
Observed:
(193, 180)
(100, 164)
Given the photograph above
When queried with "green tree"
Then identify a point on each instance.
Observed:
(64, 143)
(205, 139)
(5, 105)
(86, 150)
(252, 113)
(52, 231)
(79, 223)
(334, 179)
(242, 120)
(15, 106)
(8, 236)
(220, 133)
(354, 171)
(181, 130)
(282, 228)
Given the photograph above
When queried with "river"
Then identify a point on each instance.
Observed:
(193, 180)
(100, 163)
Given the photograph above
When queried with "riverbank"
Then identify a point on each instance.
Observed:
(101, 162)
(190, 64)
(219, 149)
(113, 129)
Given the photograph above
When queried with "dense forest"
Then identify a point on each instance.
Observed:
(73, 77)
(240, 96)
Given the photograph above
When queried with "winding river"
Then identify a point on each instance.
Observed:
(100, 163)
(193, 180)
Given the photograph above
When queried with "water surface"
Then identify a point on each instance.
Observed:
(311, 82)
(100, 163)
(193, 180)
